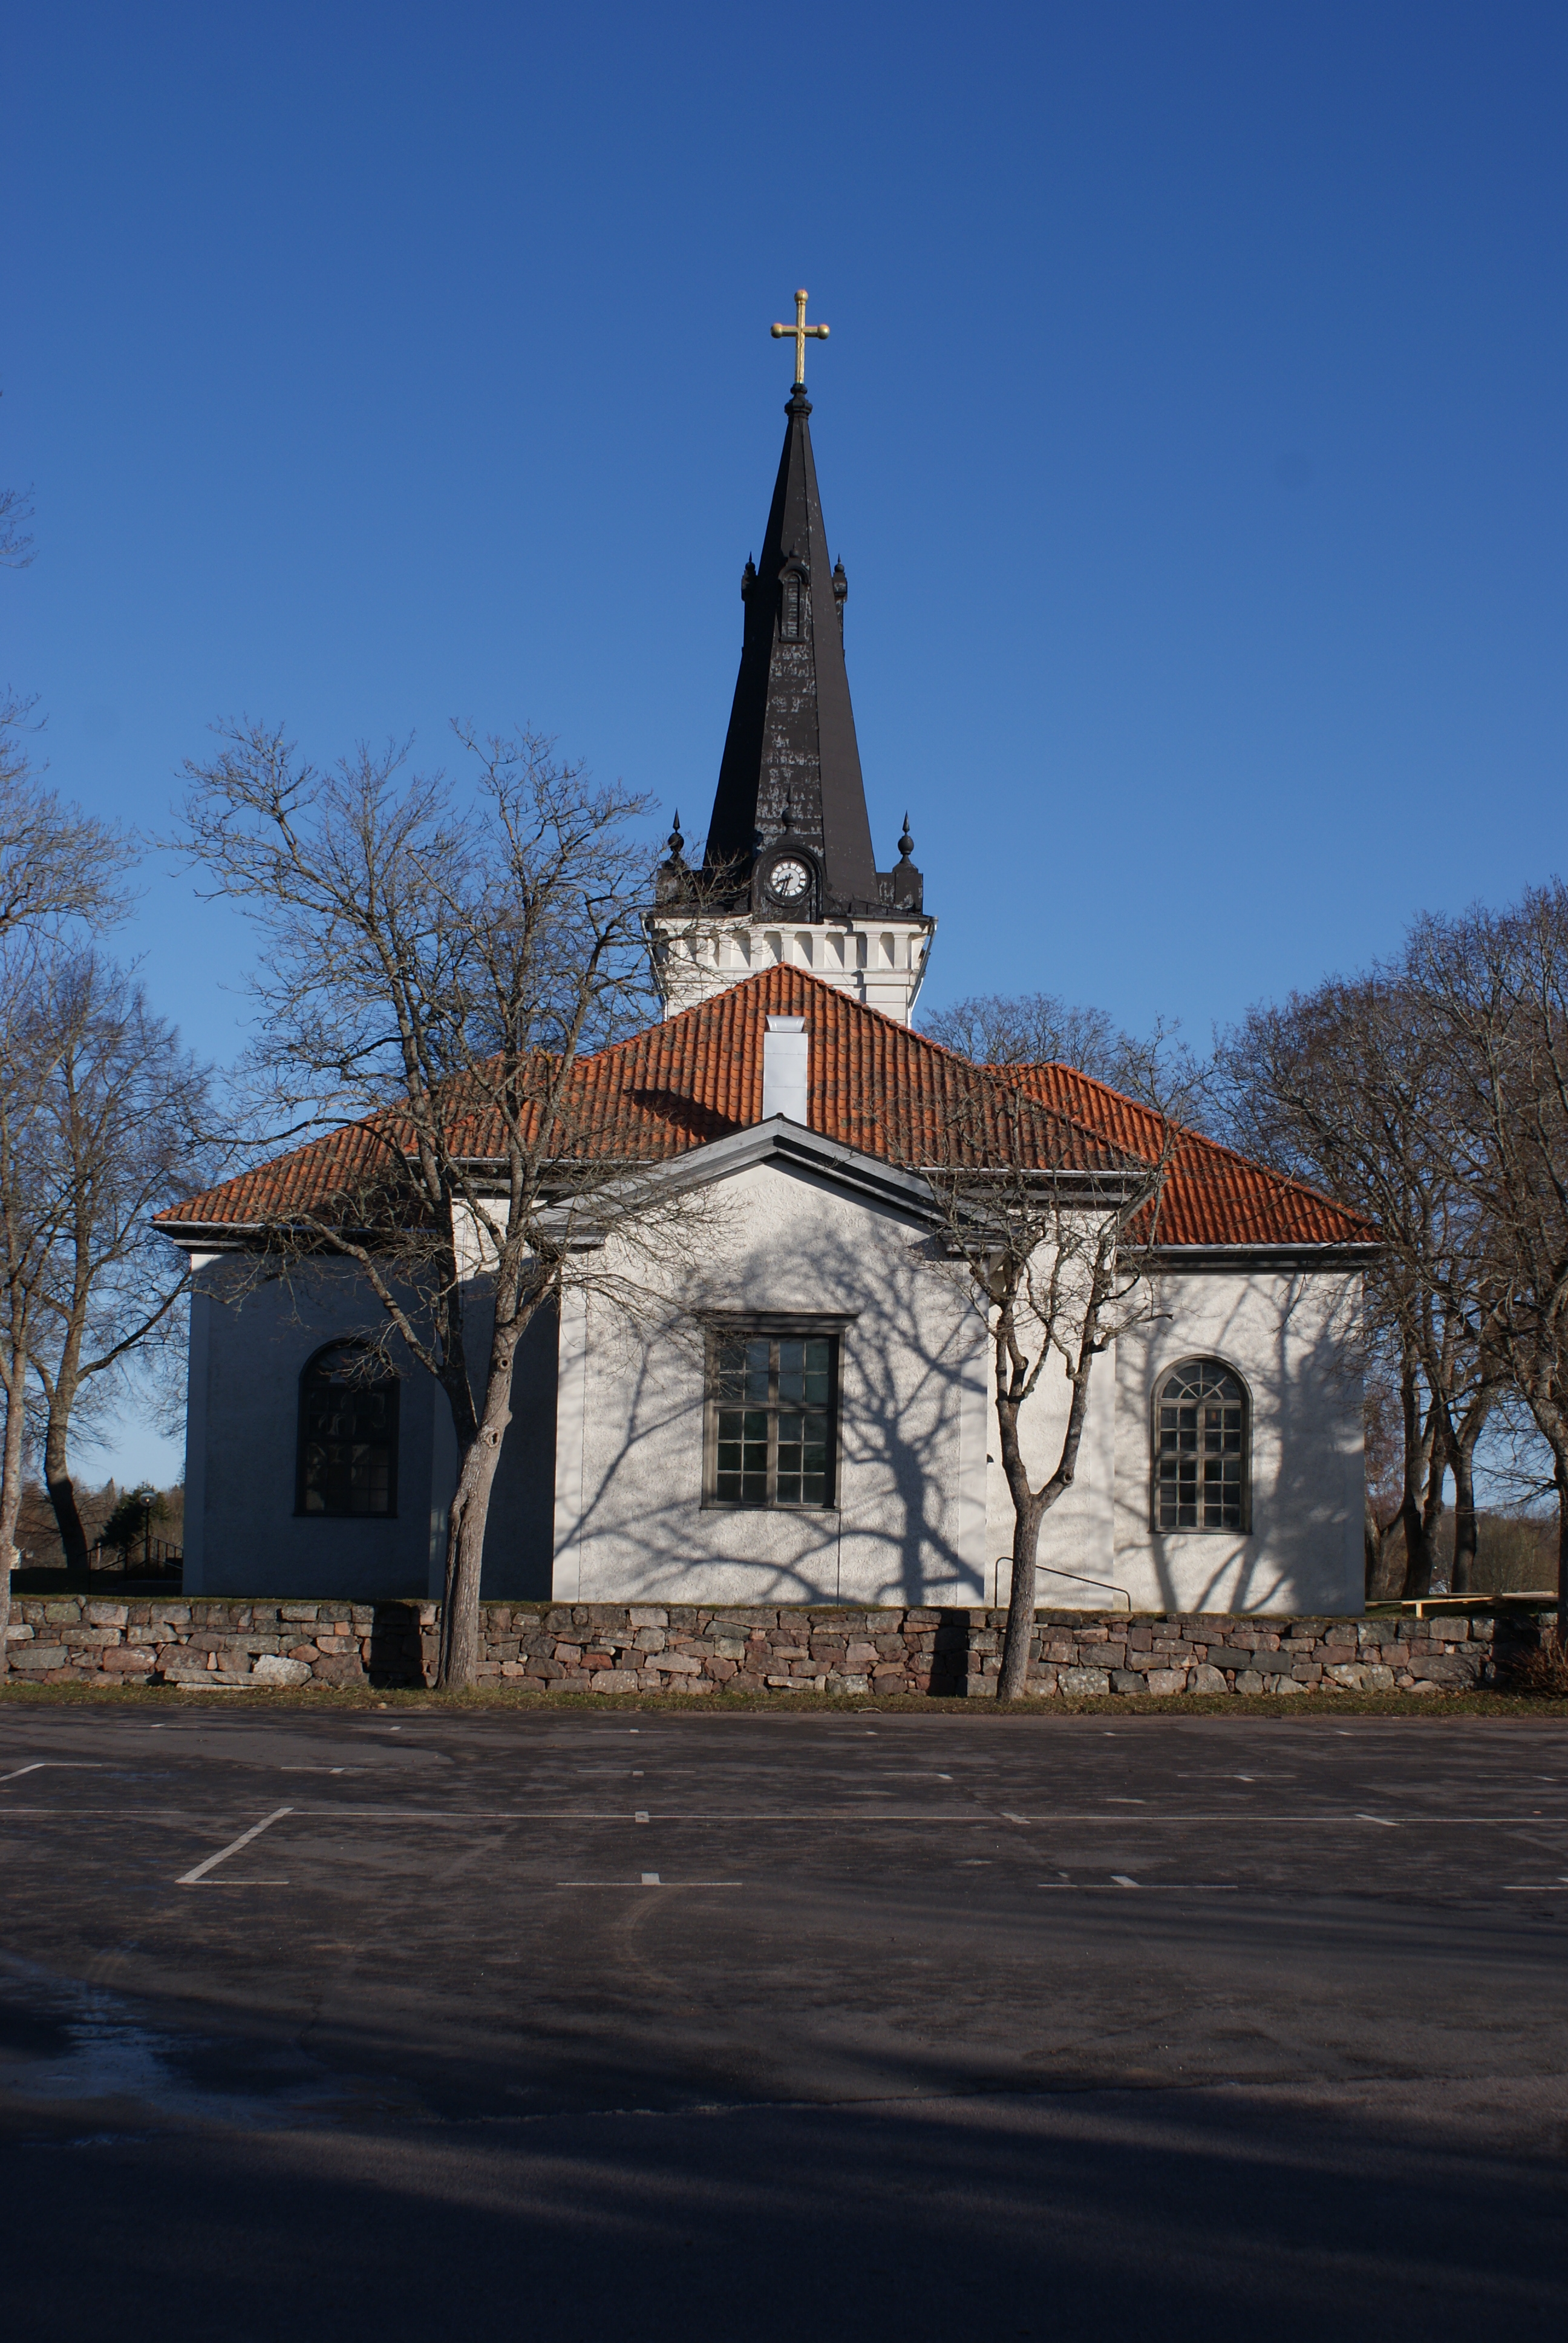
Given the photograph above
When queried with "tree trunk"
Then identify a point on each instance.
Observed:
(1466, 1537)
(1562, 1479)
(1422, 1519)
(460, 1644)
(63, 1493)
(1385, 1572)
(1015, 1654)
(10, 1496)
(1417, 1436)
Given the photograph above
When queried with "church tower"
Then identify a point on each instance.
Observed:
(789, 872)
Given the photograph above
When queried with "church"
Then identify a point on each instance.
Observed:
(822, 1430)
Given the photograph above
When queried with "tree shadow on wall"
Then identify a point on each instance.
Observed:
(906, 1367)
(1300, 1511)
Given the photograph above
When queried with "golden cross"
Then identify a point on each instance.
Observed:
(800, 333)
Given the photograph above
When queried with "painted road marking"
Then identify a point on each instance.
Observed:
(1172, 1887)
(72, 1765)
(1119, 1879)
(923, 1820)
(650, 1879)
(640, 1815)
(194, 1878)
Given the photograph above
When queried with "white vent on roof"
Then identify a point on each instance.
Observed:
(786, 1068)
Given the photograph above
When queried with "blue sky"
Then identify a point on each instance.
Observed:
(1191, 431)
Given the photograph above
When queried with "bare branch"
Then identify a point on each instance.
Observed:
(435, 965)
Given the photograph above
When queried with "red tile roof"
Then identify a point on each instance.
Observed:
(1211, 1196)
(875, 1086)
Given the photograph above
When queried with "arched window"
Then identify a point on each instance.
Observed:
(347, 1462)
(790, 624)
(1203, 1443)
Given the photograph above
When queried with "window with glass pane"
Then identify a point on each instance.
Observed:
(1200, 1449)
(771, 1419)
(348, 1435)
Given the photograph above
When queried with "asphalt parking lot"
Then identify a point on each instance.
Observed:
(868, 2025)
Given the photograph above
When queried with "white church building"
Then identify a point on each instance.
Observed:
(819, 1427)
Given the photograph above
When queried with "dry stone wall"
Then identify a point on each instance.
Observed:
(612, 1649)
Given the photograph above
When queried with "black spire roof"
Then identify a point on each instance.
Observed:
(791, 776)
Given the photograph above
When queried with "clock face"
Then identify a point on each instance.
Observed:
(788, 880)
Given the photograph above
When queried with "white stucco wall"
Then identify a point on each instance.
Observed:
(243, 1536)
(1293, 1338)
(909, 1525)
(880, 961)
(598, 1497)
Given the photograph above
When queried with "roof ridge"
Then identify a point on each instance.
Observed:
(878, 1086)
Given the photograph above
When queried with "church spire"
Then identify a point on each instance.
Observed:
(789, 826)
(789, 874)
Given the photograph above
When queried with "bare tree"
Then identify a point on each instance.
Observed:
(1347, 1087)
(1498, 988)
(435, 965)
(1032, 1029)
(1382, 1453)
(118, 1131)
(58, 866)
(1052, 1234)
(16, 545)
(30, 1205)
(57, 863)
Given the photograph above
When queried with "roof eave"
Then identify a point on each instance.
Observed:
(1267, 1253)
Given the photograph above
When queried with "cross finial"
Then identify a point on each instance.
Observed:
(800, 333)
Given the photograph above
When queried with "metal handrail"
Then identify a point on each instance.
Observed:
(1422, 1604)
(1106, 1586)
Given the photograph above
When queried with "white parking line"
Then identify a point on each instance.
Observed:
(1119, 1879)
(650, 1879)
(968, 1817)
(73, 1765)
(194, 1878)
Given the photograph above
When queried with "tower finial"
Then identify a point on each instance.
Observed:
(906, 843)
(800, 333)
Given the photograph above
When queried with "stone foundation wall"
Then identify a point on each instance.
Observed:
(610, 1648)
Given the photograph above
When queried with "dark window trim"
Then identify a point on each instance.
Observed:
(725, 1326)
(303, 1513)
(1181, 1366)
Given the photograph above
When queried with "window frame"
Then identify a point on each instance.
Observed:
(388, 1381)
(1186, 1366)
(777, 1325)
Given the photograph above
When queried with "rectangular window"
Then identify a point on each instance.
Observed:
(1199, 1466)
(771, 1417)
